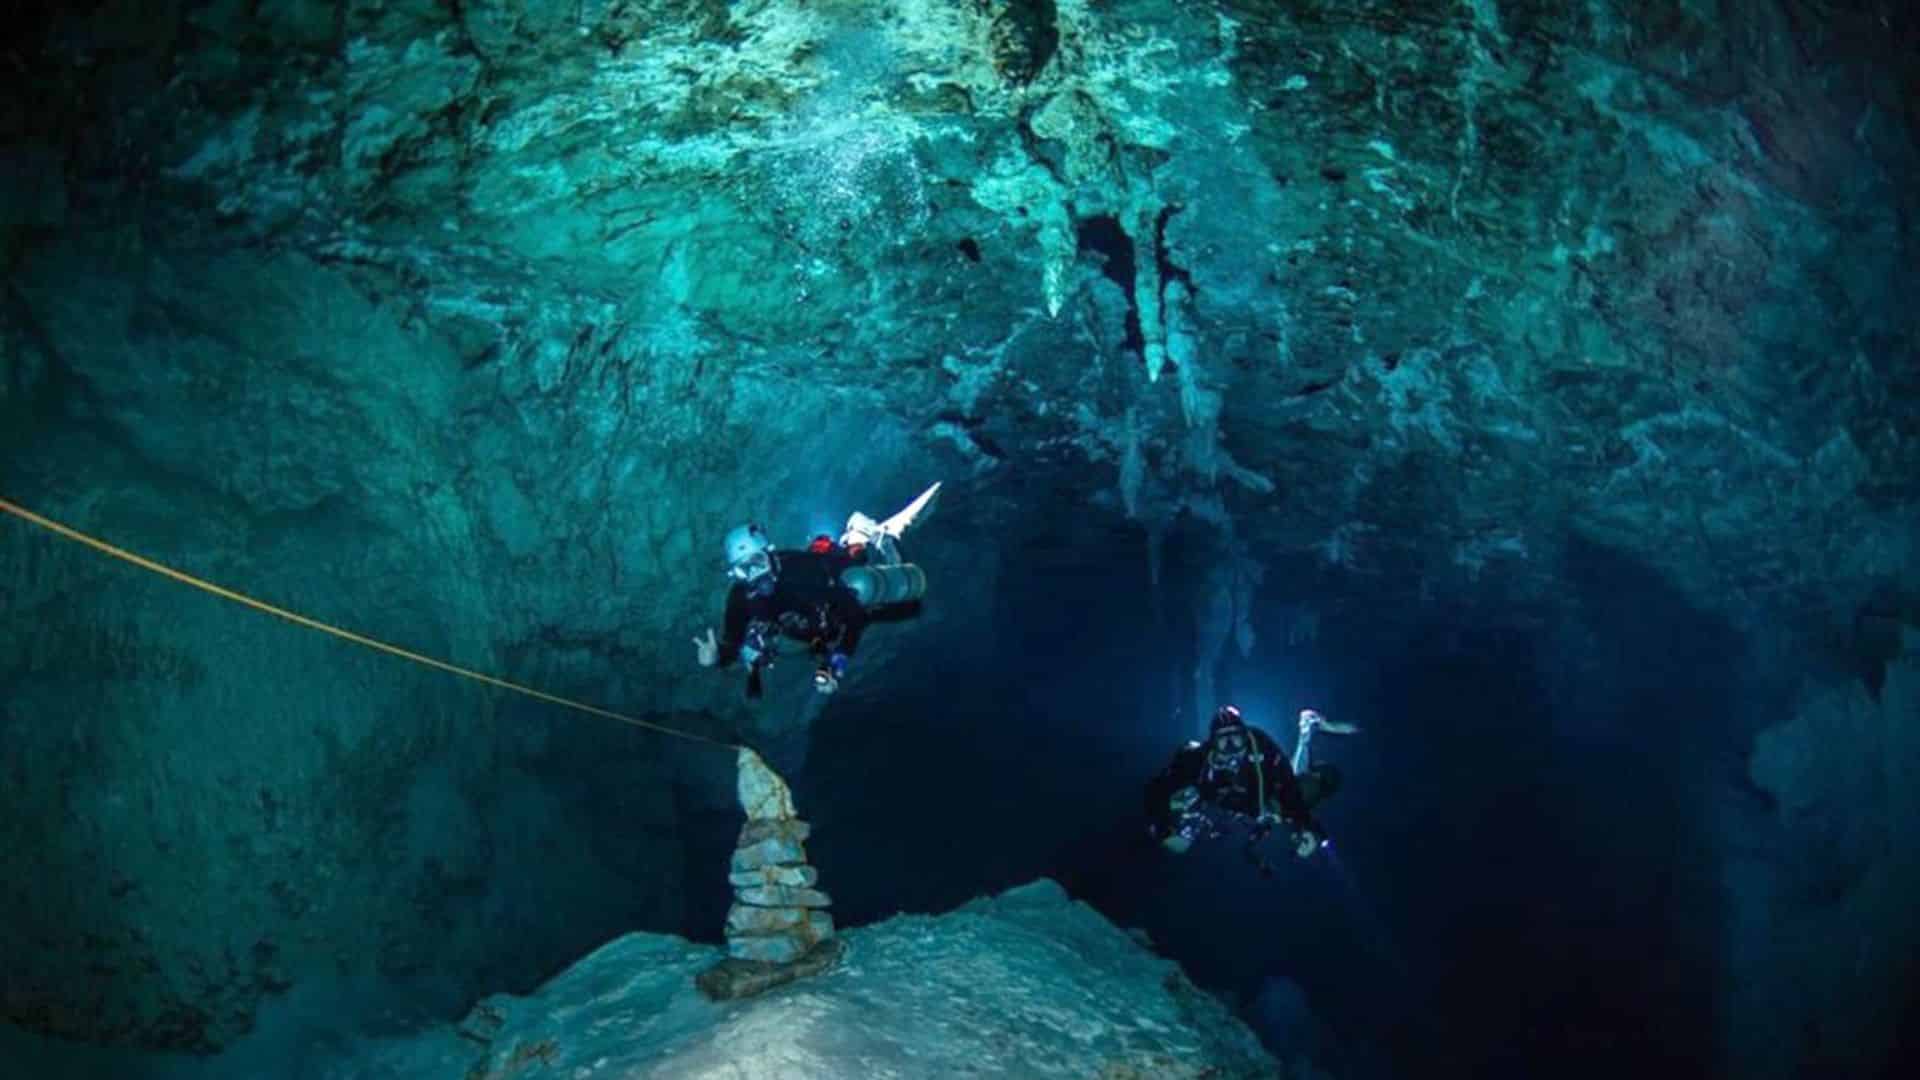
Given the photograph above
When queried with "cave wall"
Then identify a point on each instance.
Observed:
(1823, 929)
(210, 805)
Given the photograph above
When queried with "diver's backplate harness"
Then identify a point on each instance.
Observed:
(817, 624)
(1227, 751)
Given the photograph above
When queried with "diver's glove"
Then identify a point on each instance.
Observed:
(826, 678)
(1311, 721)
(706, 650)
(1306, 842)
(1185, 804)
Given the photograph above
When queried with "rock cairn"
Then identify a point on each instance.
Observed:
(778, 928)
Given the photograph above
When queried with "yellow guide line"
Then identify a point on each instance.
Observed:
(295, 617)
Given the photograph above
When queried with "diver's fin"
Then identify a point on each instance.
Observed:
(898, 524)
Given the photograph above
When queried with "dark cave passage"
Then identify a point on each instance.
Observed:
(1508, 845)
(1104, 235)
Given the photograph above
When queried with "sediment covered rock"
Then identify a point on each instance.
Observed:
(1026, 985)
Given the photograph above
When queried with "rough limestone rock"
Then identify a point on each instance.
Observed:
(781, 896)
(746, 918)
(744, 973)
(789, 830)
(765, 853)
(764, 797)
(775, 930)
(790, 876)
(774, 956)
(1028, 985)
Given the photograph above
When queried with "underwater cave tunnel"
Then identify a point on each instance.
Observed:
(1598, 519)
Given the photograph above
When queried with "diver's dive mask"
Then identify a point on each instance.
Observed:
(752, 567)
(1228, 749)
(749, 553)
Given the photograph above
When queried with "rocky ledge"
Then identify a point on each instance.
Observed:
(1027, 984)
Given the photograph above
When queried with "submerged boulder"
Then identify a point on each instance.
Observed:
(1027, 984)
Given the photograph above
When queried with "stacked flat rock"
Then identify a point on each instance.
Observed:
(777, 915)
(778, 929)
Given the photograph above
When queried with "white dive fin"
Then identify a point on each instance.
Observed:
(898, 524)
(860, 529)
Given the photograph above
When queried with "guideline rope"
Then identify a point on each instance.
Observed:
(295, 617)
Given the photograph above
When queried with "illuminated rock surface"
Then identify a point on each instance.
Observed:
(1027, 984)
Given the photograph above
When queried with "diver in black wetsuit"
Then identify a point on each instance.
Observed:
(824, 595)
(797, 594)
(1241, 773)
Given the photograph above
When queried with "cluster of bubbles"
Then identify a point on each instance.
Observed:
(843, 173)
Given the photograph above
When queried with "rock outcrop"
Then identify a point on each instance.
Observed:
(1028, 985)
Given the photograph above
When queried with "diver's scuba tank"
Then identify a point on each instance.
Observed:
(884, 586)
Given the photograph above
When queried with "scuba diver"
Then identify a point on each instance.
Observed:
(823, 595)
(1241, 772)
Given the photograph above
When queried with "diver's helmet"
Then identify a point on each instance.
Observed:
(749, 553)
